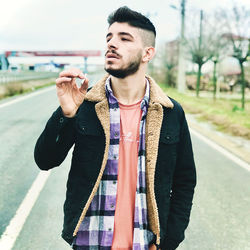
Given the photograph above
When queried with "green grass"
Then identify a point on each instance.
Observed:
(226, 114)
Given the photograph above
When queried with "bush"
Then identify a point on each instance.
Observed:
(13, 89)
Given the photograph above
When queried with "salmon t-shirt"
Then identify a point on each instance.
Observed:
(130, 116)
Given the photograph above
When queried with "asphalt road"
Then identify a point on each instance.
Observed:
(221, 209)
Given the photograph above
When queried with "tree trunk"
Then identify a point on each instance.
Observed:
(214, 81)
(243, 84)
(198, 81)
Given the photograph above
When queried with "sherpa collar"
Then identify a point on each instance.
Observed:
(97, 93)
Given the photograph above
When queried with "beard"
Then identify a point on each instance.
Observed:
(130, 69)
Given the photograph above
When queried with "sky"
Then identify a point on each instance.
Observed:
(82, 25)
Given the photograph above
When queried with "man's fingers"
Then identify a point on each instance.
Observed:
(72, 73)
(84, 86)
(81, 75)
(70, 76)
(61, 80)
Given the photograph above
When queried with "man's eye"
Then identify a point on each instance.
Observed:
(125, 39)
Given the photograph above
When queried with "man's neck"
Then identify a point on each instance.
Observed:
(130, 89)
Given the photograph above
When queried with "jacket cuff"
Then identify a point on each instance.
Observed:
(59, 114)
(58, 118)
(58, 122)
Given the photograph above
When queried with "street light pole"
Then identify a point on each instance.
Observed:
(181, 81)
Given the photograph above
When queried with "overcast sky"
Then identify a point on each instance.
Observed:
(82, 25)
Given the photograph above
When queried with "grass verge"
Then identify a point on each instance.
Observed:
(17, 88)
(224, 113)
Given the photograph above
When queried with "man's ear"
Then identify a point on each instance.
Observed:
(148, 54)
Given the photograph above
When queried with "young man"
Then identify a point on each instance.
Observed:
(132, 177)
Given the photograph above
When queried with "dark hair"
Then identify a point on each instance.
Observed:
(133, 18)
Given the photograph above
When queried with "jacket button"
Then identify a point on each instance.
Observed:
(167, 137)
(61, 120)
(83, 128)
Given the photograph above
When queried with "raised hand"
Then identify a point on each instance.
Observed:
(69, 95)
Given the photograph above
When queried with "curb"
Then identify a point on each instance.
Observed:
(231, 146)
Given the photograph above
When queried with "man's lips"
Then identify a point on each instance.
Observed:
(111, 55)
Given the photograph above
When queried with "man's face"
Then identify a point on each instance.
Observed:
(124, 50)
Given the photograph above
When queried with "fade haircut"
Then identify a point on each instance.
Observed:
(135, 19)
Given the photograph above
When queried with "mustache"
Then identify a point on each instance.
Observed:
(112, 52)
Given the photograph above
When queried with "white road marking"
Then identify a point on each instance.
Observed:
(11, 233)
(228, 154)
(19, 99)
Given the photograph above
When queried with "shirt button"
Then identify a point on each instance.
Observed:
(112, 205)
(115, 109)
(114, 182)
(116, 134)
(110, 229)
(115, 157)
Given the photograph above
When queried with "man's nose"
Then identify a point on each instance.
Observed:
(112, 44)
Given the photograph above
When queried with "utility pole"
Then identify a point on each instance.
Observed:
(181, 78)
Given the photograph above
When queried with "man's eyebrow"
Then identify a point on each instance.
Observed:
(125, 34)
(120, 34)
(109, 34)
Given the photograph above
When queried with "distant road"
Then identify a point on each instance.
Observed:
(220, 215)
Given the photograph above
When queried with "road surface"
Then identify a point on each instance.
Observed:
(221, 209)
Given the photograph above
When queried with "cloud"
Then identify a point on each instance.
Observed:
(53, 24)
(79, 24)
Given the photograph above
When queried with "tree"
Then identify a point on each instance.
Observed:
(219, 50)
(200, 50)
(166, 61)
(170, 62)
(237, 31)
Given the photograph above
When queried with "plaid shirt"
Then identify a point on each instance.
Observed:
(96, 230)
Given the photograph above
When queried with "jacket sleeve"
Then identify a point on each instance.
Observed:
(184, 181)
(55, 141)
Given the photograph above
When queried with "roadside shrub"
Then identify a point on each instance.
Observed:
(13, 89)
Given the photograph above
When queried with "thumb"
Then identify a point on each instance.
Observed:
(84, 86)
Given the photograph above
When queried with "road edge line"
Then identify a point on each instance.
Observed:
(222, 150)
(15, 226)
(24, 97)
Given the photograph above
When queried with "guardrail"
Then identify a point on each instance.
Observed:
(17, 76)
